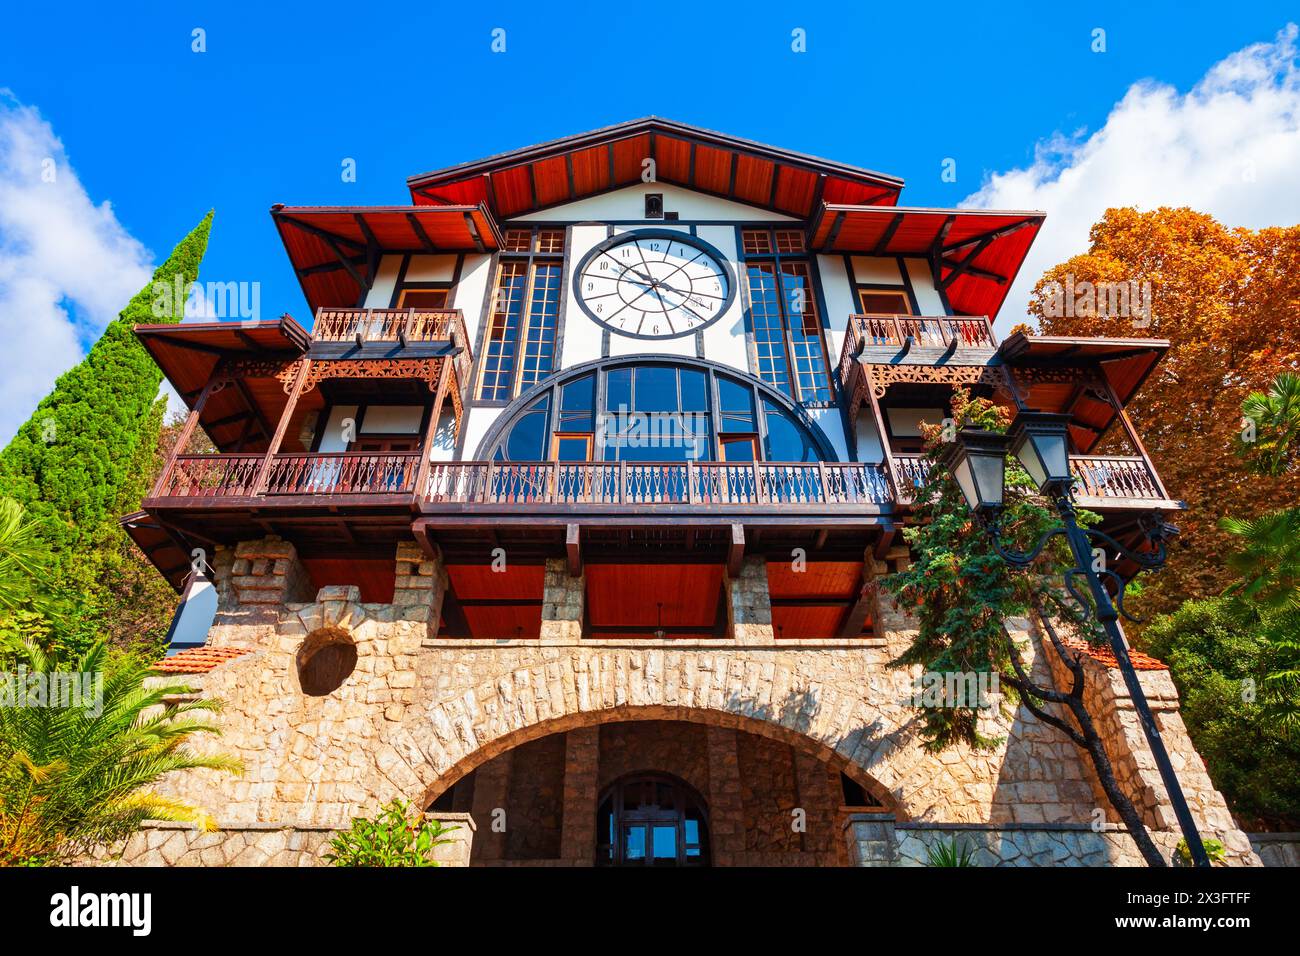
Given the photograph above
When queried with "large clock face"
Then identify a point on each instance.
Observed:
(654, 284)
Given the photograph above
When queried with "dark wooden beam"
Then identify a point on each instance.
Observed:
(858, 613)
(417, 227)
(883, 242)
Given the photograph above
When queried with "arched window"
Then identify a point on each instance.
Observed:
(651, 820)
(654, 409)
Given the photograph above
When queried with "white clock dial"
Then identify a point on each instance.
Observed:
(654, 284)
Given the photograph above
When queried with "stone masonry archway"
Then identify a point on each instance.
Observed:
(713, 718)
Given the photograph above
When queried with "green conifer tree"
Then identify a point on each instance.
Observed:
(87, 453)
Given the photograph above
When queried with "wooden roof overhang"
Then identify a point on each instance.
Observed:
(244, 414)
(564, 170)
(335, 250)
(1047, 369)
(164, 549)
(974, 254)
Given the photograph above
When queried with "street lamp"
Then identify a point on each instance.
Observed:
(977, 461)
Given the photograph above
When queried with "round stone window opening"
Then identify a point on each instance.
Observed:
(325, 660)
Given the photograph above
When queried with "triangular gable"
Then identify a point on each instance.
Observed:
(539, 177)
(629, 203)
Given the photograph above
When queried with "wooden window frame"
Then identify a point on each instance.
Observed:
(779, 261)
(531, 259)
(444, 287)
(900, 292)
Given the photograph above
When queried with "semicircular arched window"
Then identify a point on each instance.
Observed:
(645, 410)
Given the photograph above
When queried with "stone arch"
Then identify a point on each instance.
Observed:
(750, 724)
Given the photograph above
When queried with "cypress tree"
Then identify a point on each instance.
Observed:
(87, 456)
(71, 462)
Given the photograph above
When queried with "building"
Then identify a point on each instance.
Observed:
(566, 519)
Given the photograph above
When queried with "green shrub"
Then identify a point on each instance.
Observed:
(397, 837)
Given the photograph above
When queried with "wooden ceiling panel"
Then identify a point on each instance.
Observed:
(668, 594)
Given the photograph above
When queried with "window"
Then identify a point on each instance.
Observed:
(423, 298)
(789, 351)
(884, 302)
(647, 411)
(523, 320)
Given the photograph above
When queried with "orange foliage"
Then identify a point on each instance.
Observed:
(1229, 302)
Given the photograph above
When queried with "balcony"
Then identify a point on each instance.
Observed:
(321, 474)
(389, 333)
(622, 486)
(1101, 481)
(917, 339)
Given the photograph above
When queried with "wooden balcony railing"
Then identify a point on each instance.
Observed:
(1108, 477)
(323, 473)
(209, 476)
(343, 473)
(389, 325)
(1111, 476)
(893, 331)
(1096, 476)
(398, 326)
(637, 483)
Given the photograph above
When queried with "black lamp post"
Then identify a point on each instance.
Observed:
(977, 461)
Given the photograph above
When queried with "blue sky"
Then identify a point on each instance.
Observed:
(281, 97)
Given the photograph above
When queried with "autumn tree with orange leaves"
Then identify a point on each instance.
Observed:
(1228, 300)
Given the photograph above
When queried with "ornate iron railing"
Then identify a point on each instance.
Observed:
(650, 483)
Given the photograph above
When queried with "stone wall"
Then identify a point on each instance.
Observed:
(420, 712)
(878, 840)
(1277, 849)
(1108, 701)
(258, 844)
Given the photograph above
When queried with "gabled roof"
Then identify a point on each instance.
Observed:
(563, 170)
(977, 251)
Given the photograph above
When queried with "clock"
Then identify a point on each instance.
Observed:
(654, 284)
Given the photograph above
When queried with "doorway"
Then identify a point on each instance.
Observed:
(651, 819)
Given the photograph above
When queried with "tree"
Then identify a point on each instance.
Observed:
(87, 453)
(962, 592)
(1271, 429)
(1219, 657)
(1229, 302)
(74, 769)
(21, 557)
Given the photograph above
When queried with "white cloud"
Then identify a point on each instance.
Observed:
(67, 266)
(1229, 147)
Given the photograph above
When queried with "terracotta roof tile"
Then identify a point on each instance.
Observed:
(1103, 654)
(198, 660)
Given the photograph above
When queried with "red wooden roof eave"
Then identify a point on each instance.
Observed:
(281, 213)
(608, 135)
(1032, 219)
(297, 339)
(1020, 344)
(284, 216)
